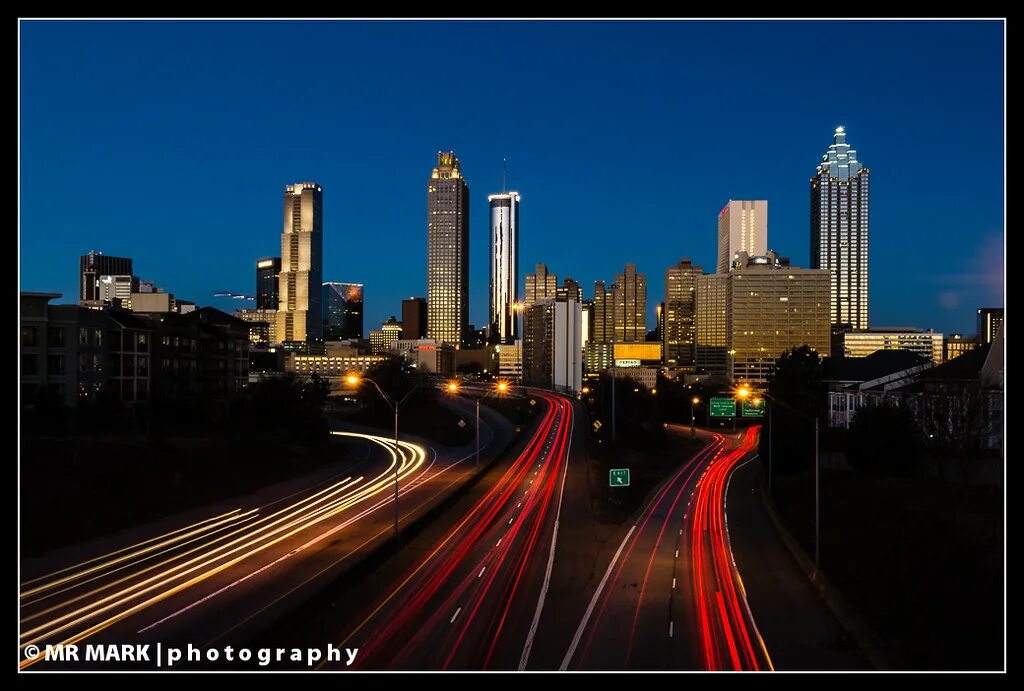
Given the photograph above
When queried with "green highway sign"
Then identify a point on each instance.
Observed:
(722, 407)
(751, 410)
(618, 477)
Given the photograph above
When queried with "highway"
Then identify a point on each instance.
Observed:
(475, 594)
(672, 597)
(222, 577)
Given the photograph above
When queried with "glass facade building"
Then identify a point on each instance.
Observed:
(504, 266)
(343, 310)
(839, 231)
(678, 325)
(267, 270)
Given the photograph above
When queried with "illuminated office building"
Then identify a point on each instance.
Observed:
(343, 311)
(504, 266)
(839, 231)
(267, 295)
(630, 295)
(540, 285)
(863, 343)
(989, 321)
(742, 227)
(300, 283)
(96, 264)
(448, 252)
(679, 314)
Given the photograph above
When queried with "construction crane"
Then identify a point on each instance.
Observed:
(233, 296)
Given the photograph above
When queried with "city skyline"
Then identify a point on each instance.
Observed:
(681, 202)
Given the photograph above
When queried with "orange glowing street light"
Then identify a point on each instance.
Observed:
(743, 392)
(352, 379)
(500, 387)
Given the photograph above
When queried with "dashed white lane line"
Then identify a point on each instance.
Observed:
(481, 572)
(670, 627)
(511, 519)
(498, 543)
(677, 554)
(673, 583)
(455, 615)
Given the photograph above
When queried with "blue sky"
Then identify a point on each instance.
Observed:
(171, 143)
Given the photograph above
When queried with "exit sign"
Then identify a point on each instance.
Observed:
(751, 410)
(722, 407)
(618, 477)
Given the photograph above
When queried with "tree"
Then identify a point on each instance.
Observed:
(796, 398)
(884, 438)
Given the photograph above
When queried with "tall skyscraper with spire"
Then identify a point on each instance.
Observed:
(504, 266)
(839, 231)
(300, 282)
(448, 252)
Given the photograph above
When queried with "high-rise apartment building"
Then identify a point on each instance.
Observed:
(504, 266)
(989, 321)
(300, 283)
(540, 285)
(95, 264)
(414, 319)
(267, 295)
(448, 252)
(679, 314)
(742, 227)
(630, 305)
(839, 231)
(342, 310)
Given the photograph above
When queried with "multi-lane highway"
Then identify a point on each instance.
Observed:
(475, 597)
(671, 597)
(219, 576)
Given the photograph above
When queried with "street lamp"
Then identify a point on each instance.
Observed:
(817, 470)
(500, 388)
(355, 380)
(693, 416)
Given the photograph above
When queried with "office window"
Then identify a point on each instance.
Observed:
(55, 365)
(29, 365)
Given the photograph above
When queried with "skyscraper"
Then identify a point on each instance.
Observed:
(839, 230)
(414, 319)
(742, 227)
(504, 266)
(569, 289)
(678, 317)
(630, 306)
(300, 284)
(267, 294)
(95, 264)
(447, 252)
(603, 312)
(552, 350)
(342, 311)
(540, 285)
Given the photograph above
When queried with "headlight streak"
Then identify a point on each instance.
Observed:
(250, 539)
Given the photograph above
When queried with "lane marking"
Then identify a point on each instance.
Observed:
(593, 602)
(481, 572)
(454, 616)
(670, 627)
(551, 555)
(673, 583)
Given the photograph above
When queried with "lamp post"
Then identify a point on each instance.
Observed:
(355, 380)
(817, 470)
(500, 387)
(693, 417)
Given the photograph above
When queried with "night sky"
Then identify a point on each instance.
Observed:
(171, 143)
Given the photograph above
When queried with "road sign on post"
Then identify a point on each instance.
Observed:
(751, 410)
(618, 477)
(722, 407)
